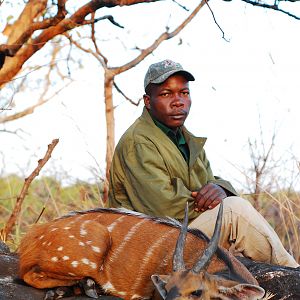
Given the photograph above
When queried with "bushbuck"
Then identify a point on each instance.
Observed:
(123, 250)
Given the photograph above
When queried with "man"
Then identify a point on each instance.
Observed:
(158, 165)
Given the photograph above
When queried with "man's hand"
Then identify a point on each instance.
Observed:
(208, 197)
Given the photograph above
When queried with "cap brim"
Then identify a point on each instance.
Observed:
(165, 76)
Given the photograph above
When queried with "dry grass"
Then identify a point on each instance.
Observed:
(48, 199)
(282, 211)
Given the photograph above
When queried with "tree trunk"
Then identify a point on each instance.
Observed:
(110, 127)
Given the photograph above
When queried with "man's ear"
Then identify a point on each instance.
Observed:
(244, 291)
(147, 101)
(159, 282)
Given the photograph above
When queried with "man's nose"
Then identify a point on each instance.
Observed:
(178, 101)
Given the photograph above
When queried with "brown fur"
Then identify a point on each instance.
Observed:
(118, 249)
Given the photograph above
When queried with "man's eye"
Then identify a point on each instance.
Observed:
(165, 94)
(186, 93)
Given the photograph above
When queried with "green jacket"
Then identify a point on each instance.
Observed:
(149, 175)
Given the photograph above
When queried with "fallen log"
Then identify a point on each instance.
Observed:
(281, 283)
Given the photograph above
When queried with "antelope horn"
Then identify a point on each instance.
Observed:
(212, 246)
(178, 262)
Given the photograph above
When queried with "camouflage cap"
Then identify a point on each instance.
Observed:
(161, 71)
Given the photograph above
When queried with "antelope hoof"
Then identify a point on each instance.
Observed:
(49, 295)
(58, 293)
(89, 287)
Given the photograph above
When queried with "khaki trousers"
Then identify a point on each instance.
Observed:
(244, 230)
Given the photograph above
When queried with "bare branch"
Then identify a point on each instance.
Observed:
(30, 109)
(106, 17)
(180, 5)
(16, 211)
(79, 46)
(15, 63)
(128, 99)
(273, 6)
(11, 50)
(103, 59)
(31, 12)
(163, 37)
(223, 34)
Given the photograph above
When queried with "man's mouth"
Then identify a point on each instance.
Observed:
(178, 115)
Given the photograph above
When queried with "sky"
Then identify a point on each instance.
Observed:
(247, 84)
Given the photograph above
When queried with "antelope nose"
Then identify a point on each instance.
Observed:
(173, 293)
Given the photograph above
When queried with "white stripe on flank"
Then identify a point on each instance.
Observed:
(74, 263)
(86, 261)
(96, 249)
(83, 232)
(145, 261)
(54, 258)
(108, 287)
(136, 296)
(93, 265)
(111, 227)
(127, 238)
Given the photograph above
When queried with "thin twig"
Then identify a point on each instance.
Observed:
(107, 17)
(16, 211)
(40, 215)
(68, 59)
(213, 15)
(163, 37)
(31, 71)
(102, 58)
(128, 99)
(30, 110)
(273, 6)
(262, 189)
(180, 5)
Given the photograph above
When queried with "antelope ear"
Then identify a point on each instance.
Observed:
(245, 291)
(159, 282)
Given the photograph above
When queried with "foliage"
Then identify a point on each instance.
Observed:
(47, 199)
(282, 210)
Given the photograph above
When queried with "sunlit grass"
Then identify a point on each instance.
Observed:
(47, 199)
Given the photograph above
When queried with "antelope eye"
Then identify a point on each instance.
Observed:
(196, 293)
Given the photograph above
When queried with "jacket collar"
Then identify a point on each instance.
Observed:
(195, 143)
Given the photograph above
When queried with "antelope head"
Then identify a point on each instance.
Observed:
(196, 283)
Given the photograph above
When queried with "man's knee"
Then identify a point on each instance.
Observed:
(238, 205)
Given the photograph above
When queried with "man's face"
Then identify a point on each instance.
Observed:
(170, 102)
